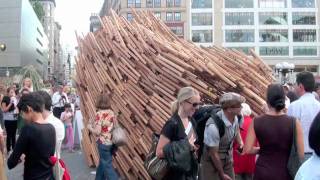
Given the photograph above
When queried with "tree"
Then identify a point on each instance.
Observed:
(38, 9)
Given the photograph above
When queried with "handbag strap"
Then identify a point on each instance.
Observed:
(294, 133)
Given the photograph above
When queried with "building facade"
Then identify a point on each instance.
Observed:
(49, 28)
(58, 55)
(23, 34)
(278, 30)
(94, 22)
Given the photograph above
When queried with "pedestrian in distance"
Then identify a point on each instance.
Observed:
(67, 119)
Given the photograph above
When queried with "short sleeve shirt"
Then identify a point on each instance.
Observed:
(104, 119)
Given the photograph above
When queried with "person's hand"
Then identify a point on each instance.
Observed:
(226, 177)
(240, 149)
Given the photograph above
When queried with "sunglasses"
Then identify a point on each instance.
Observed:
(196, 104)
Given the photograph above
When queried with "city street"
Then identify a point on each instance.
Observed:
(75, 162)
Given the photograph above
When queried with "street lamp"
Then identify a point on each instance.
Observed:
(284, 70)
(3, 47)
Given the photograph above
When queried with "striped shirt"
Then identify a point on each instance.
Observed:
(212, 137)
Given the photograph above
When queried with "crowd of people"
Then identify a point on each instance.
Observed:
(248, 147)
(233, 144)
(44, 121)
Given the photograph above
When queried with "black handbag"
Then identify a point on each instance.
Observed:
(294, 161)
(157, 168)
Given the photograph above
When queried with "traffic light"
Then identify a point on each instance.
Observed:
(2, 47)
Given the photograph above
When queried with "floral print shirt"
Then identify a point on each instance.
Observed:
(104, 119)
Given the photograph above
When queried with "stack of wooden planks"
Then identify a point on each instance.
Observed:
(143, 64)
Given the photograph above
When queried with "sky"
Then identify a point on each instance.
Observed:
(73, 15)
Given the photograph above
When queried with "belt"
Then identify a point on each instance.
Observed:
(308, 153)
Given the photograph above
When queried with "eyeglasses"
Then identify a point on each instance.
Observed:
(196, 104)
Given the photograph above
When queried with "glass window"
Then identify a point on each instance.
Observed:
(157, 3)
(169, 16)
(239, 36)
(303, 3)
(305, 51)
(201, 19)
(178, 30)
(157, 15)
(201, 4)
(303, 18)
(149, 3)
(273, 3)
(239, 18)
(131, 3)
(245, 50)
(274, 51)
(177, 3)
(304, 35)
(238, 4)
(170, 3)
(274, 18)
(129, 16)
(273, 35)
(138, 3)
(202, 36)
(177, 16)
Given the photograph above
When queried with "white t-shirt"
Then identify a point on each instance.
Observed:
(58, 101)
(309, 170)
(60, 132)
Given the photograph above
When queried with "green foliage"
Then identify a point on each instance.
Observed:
(32, 73)
(38, 9)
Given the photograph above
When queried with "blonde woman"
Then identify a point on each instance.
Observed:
(179, 127)
(27, 83)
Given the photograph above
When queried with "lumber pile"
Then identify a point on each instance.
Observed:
(143, 64)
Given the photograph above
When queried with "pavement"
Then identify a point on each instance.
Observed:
(75, 163)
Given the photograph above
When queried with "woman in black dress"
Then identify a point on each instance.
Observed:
(274, 132)
(36, 141)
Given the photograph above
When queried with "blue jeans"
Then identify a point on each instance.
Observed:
(105, 169)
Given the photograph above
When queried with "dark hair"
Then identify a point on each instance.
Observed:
(46, 99)
(276, 96)
(67, 105)
(33, 100)
(307, 80)
(9, 89)
(314, 134)
(25, 89)
(317, 86)
(103, 101)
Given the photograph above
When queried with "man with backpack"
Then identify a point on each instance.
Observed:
(221, 129)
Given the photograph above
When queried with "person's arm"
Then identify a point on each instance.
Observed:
(4, 107)
(300, 145)
(63, 117)
(249, 147)
(97, 125)
(215, 159)
(239, 139)
(19, 148)
(163, 141)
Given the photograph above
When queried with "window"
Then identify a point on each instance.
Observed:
(157, 15)
(274, 18)
(157, 3)
(197, 4)
(39, 42)
(239, 36)
(131, 3)
(273, 3)
(303, 3)
(273, 35)
(303, 18)
(238, 4)
(177, 3)
(39, 52)
(274, 51)
(177, 30)
(129, 16)
(138, 3)
(170, 3)
(304, 51)
(202, 36)
(149, 3)
(169, 16)
(177, 16)
(304, 35)
(201, 19)
(239, 18)
(245, 50)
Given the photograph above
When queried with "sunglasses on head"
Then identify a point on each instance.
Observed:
(195, 104)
